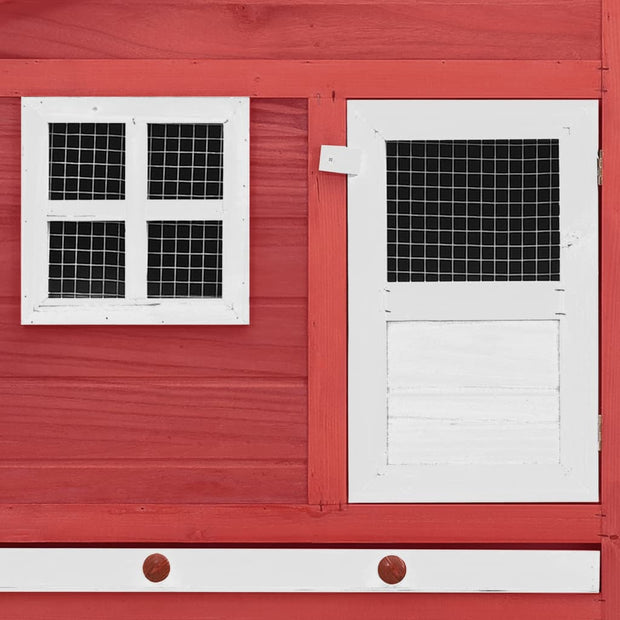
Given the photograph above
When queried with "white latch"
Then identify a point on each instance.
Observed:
(340, 159)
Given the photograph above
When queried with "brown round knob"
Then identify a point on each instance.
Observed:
(392, 569)
(156, 567)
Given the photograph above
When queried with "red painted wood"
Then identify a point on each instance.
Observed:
(358, 524)
(236, 480)
(274, 346)
(177, 414)
(610, 313)
(95, 421)
(270, 78)
(301, 606)
(327, 309)
(488, 29)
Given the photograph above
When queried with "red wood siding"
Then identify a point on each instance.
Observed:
(467, 29)
(175, 414)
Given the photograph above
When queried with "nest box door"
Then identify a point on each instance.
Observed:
(473, 301)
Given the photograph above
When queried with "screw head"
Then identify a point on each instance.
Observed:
(392, 569)
(156, 567)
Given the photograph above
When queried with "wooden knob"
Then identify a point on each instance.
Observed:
(392, 569)
(156, 567)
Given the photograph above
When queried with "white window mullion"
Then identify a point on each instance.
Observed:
(135, 209)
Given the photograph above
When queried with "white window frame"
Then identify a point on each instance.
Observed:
(573, 301)
(135, 210)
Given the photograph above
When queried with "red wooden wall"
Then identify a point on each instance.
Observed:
(234, 435)
(188, 414)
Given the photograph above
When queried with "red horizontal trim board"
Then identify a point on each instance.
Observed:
(388, 524)
(298, 78)
(300, 606)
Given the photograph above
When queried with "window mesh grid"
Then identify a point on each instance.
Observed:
(86, 161)
(86, 259)
(185, 161)
(466, 210)
(184, 259)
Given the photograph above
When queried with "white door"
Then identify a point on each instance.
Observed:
(473, 301)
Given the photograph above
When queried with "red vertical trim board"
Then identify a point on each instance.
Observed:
(610, 311)
(327, 308)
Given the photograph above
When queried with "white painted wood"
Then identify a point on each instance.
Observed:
(450, 461)
(458, 354)
(473, 392)
(298, 570)
(135, 210)
(136, 237)
(340, 159)
(495, 440)
(453, 301)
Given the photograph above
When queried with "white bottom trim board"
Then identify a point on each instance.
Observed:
(298, 570)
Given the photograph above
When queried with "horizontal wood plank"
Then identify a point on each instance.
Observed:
(301, 606)
(104, 569)
(421, 29)
(273, 345)
(251, 481)
(97, 423)
(426, 79)
(361, 524)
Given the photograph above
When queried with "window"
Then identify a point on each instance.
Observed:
(135, 210)
(473, 301)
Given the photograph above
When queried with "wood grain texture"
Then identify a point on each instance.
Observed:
(235, 480)
(359, 524)
(482, 29)
(274, 345)
(301, 606)
(426, 79)
(96, 422)
(327, 304)
(610, 313)
(473, 392)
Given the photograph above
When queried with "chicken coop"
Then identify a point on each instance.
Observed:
(309, 309)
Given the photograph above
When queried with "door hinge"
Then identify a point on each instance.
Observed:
(599, 168)
(600, 432)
